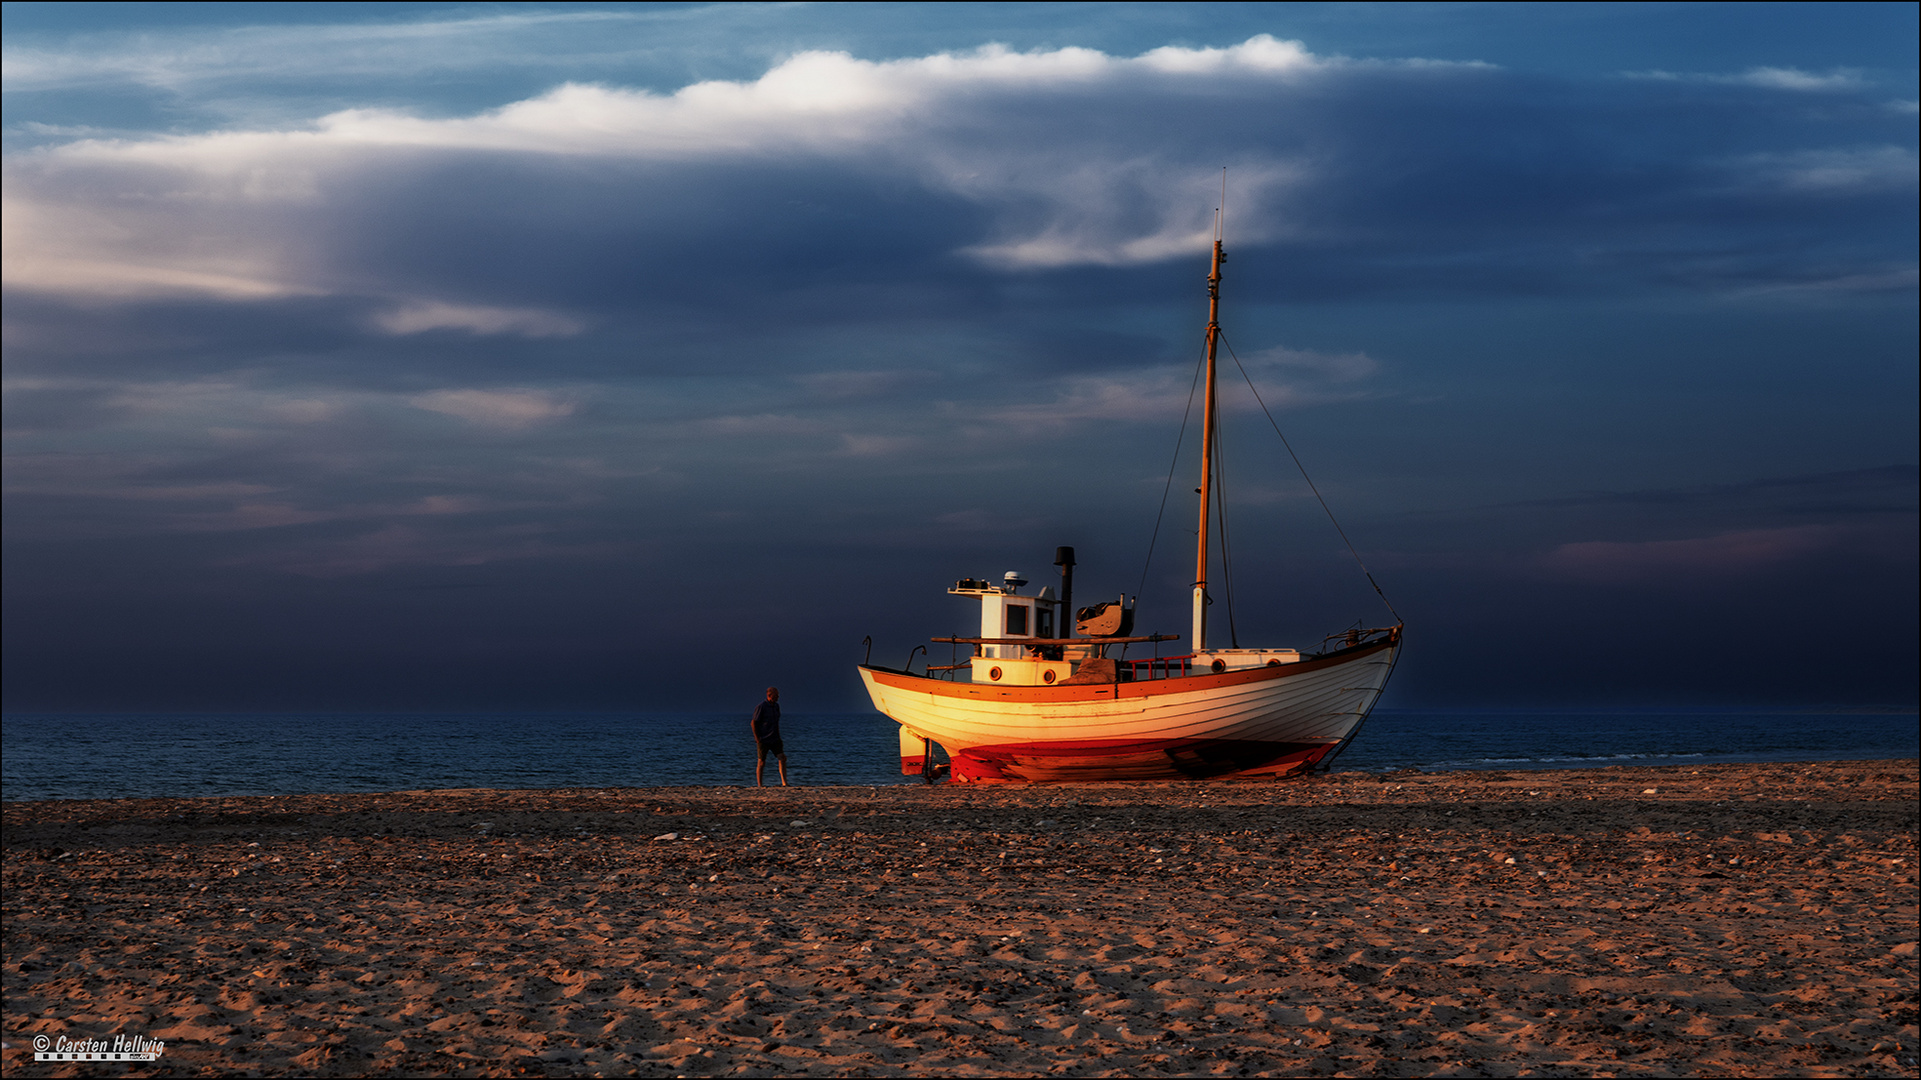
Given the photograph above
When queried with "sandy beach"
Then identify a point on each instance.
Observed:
(1744, 920)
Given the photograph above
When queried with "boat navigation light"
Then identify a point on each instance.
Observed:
(1013, 580)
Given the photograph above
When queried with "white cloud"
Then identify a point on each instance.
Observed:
(1285, 377)
(1902, 279)
(1334, 367)
(1087, 207)
(1843, 171)
(304, 410)
(263, 214)
(1726, 553)
(254, 214)
(450, 504)
(1767, 78)
(1775, 78)
(854, 385)
(51, 245)
(327, 50)
(509, 409)
(231, 410)
(878, 446)
(1259, 53)
(420, 317)
(1146, 394)
(814, 100)
(399, 544)
(1089, 243)
(247, 516)
(241, 408)
(761, 424)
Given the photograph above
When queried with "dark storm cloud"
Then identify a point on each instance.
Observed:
(380, 251)
(1893, 489)
(1806, 506)
(1719, 594)
(520, 396)
(1384, 176)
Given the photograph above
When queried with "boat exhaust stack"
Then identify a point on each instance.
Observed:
(1064, 558)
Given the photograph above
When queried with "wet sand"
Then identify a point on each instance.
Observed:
(1745, 920)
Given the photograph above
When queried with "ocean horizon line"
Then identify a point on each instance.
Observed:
(111, 755)
(1485, 710)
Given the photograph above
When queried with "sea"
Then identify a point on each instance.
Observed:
(137, 755)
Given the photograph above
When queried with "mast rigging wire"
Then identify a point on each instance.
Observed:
(1310, 484)
(1155, 537)
(1220, 501)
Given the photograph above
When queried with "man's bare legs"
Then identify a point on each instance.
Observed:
(766, 728)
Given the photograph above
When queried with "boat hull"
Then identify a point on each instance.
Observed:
(1269, 721)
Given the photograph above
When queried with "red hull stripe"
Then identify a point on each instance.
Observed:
(1110, 691)
(1100, 748)
(1170, 759)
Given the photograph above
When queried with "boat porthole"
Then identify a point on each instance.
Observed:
(1047, 676)
(994, 673)
(1220, 666)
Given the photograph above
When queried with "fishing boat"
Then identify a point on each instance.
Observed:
(1041, 699)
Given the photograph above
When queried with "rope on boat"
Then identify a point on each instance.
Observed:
(1310, 483)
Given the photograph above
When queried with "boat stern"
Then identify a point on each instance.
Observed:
(914, 752)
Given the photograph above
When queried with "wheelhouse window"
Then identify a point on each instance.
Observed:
(1017, 620)
(1044, 622)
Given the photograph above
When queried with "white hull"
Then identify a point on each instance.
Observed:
(1264, 721)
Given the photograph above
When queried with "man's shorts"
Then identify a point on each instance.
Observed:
(770, 746)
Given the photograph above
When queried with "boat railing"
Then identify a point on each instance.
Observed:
(1158, 667)
(947, 670)
(1052, 649)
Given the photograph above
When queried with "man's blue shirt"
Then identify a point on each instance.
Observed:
(767, 721)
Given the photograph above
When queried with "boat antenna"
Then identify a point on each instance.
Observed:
(1220, 212)
(1310, 486)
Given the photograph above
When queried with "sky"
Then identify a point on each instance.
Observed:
(636, 357)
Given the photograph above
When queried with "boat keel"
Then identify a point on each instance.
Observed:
(1188, 759)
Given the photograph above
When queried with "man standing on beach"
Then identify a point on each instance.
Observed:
(766, 728)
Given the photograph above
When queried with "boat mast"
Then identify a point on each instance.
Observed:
(1207, 439)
